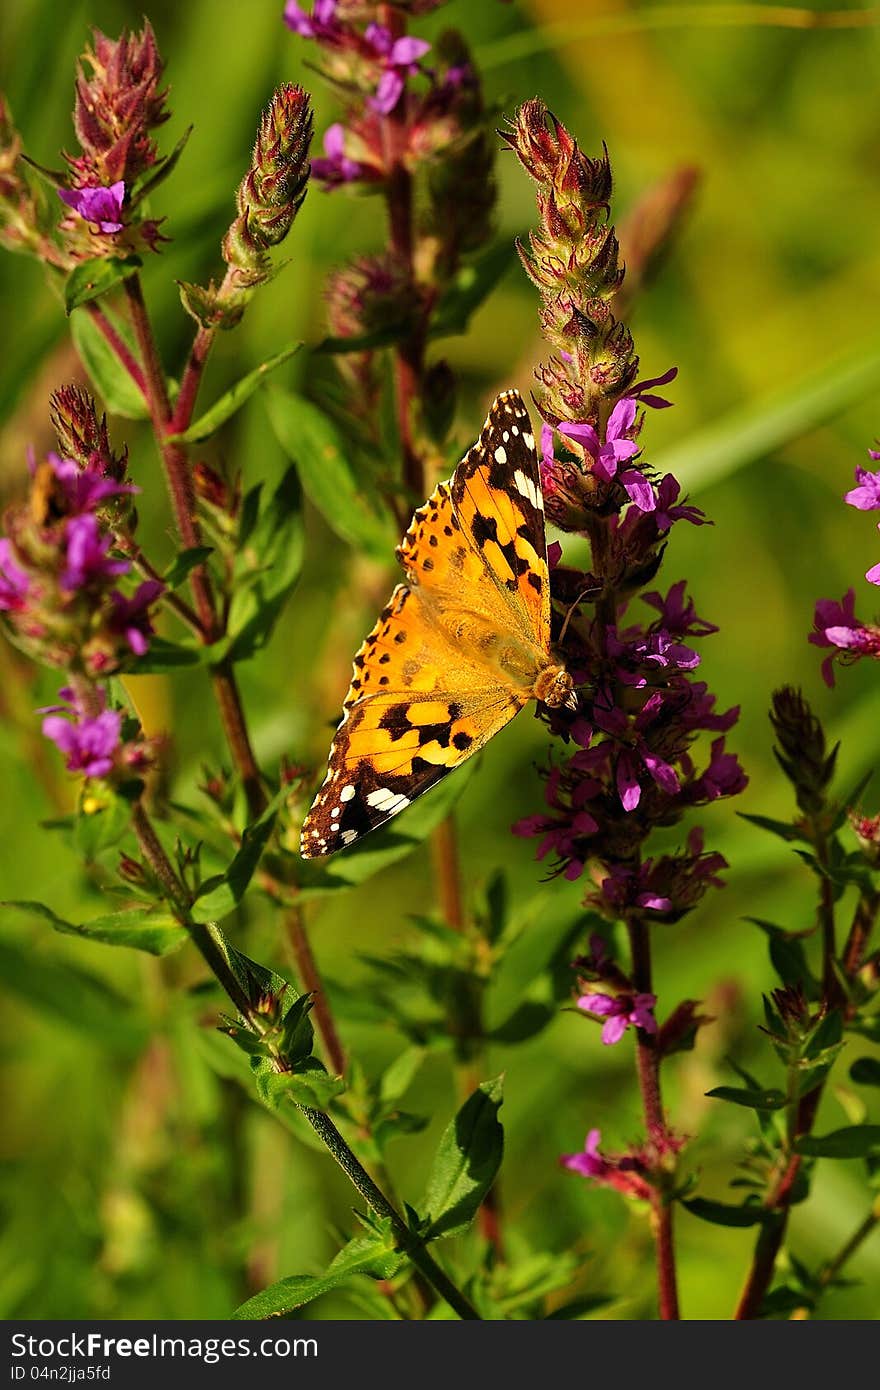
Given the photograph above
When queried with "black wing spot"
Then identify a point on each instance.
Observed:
(454, 710)
(432, 540)
(535, 581)
(461, 741)
(396, 721)
(400, 636)
(384, 659)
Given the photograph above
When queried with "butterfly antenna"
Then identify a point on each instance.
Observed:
(591, 589)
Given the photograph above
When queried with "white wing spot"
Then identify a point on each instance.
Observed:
(526, 488)
(501, 454)
(506, 435)
(347, 793)
(384, 800)
(514, 429)
(529, 441)
(348, 836)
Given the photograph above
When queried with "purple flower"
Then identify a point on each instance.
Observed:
(837, 626)
(562, 832)
(131, 616)
(87, 558)
(677, 614)
(636, 755)
(400, 58)
(723, 777)
(625, 1172)
(100, 206)
(88, 742)
(620, 1011)
(866, 497)
(667, 495)
(320, 24)
(336, 168)
(84, 488)
(14, 583)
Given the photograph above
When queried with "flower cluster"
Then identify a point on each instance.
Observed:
(630, 764)
(414, 130)
(60, 566)
(835, 624)
(119, 103)
(631, 1173)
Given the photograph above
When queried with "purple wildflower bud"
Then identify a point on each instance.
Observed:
(131, 616)
(624, 1172)
(14, 583)
(620, 1011)
(88, 742)
(100, 206)
(87, 558)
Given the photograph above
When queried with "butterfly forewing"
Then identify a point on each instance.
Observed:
(424, 696)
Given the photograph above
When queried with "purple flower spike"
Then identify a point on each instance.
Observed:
(87, 559)
(100, 206)
(14, 583)
(88, 742)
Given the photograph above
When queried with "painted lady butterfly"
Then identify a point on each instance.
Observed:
(460, 648)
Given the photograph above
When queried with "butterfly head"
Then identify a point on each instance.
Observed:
(554, 688)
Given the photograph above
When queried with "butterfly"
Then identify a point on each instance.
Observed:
(458, 650)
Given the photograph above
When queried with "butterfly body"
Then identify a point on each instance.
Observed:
(458, 650)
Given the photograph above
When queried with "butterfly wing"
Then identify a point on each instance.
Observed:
(417, 708)
(427, 691)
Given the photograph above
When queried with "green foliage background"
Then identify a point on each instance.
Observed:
(136, 1181)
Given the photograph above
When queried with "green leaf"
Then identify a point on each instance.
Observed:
(466, 1162)
(758, 430)
(309, 1085)
(90, 279)
(312, 441)
(151, 929)
(371, 1254)
(788, 957)
(471, 285)
(267, 565)
(102, 819)
(398, 1078)
(221, 894)
(865, 1071)
(170, 656)
(110, 379)
(752, 1099)
(724, 1214)
(782, 828)
(185, 562)
(233, 399)
(853, 1141)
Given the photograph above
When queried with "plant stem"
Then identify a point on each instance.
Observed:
(209, 940)
(849, 1248)
(408, 1243)
(830, 983)
(648, 1067)
(863, 923)
(444, 854)
(129, 546)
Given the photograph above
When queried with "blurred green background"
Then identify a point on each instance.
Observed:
(135, 1180)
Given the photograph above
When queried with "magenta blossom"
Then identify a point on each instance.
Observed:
(625, 1172)
(87, 741)
(837, 626)
(84, 488)
(131, 616)
(87, 558)
(399, 58)
(620, 1011)
(866, 497)
(616, 449)
(100, 206)
(14, 583)
(320, 24)
(335, 167)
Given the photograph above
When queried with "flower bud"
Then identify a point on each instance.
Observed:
(802, 751)
(118, 104)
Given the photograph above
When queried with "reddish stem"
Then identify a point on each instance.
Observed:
(310, 979)
(648, 1068)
